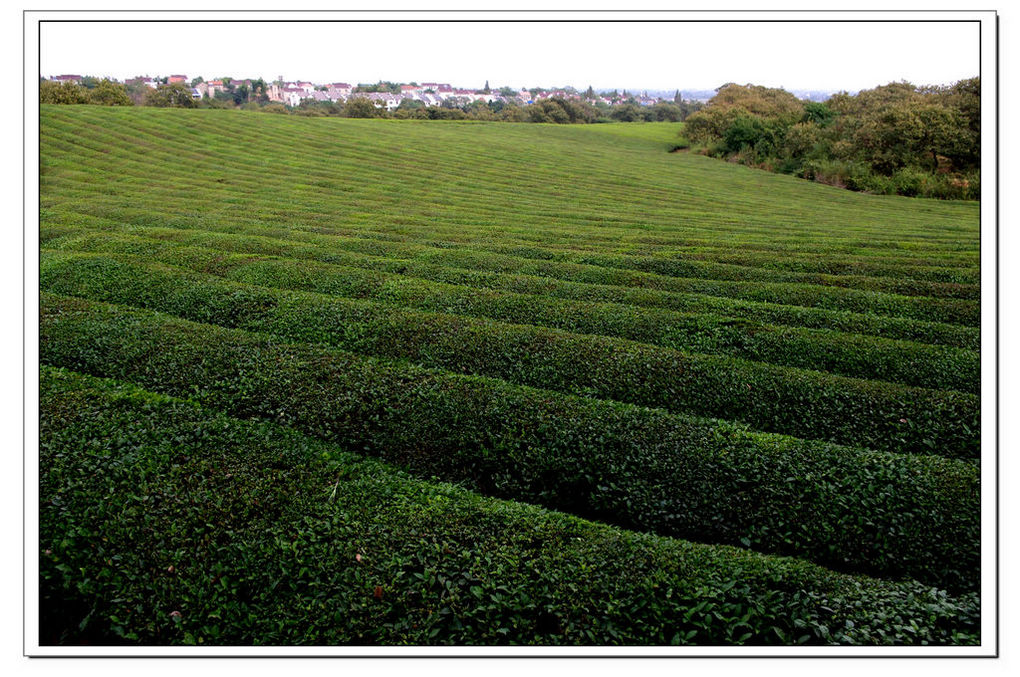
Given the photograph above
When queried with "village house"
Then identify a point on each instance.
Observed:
(384, 99)
(176, 78)
(292, 95)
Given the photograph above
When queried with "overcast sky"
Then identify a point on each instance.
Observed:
(663, 56)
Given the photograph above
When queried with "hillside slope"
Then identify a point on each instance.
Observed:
(570, 316)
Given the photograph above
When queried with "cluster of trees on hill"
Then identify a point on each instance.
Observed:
(894, 139)
(555, 109)
(99, 92)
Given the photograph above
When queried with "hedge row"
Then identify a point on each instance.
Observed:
(964, 271)
(163, 523)
(936, 265)
(673, 264)
(913, 364)
(304, 244)
(949, 310)
(791, 401)
(878, 513)
(496, 272)
(856, 356)
(680, 266)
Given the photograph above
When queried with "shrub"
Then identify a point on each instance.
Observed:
(898, 515)
(513, 274)
(125, 281)
(218, 531)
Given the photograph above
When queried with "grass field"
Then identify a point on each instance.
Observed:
(398, 382)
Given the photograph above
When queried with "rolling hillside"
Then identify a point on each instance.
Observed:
(433, 382)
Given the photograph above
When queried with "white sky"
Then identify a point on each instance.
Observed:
(649, 55)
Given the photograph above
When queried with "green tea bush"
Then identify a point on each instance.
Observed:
(596, 269)
(879, 513)
(163, 523)
(492, 271)
(580, 364)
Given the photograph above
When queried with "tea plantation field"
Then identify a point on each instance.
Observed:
(331, 381)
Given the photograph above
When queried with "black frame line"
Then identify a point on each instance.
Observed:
(996, 404)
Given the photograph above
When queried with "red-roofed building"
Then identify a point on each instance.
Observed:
(177, 78)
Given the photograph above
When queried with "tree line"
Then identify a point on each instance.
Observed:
(552, 110)
(894, 139)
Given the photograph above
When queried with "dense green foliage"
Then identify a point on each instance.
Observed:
(103, 93)
(894, 139)
(638, 467)
(857, 356)
(163, 522)
(175, 95)
(524, 352)
(564, 315)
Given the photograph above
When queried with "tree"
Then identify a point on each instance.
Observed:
(561, 111)
(136, 90)
(486, 90)
(240, 94)
(893, 138)
(259, 91)
(62, 92)
(513, 113)
(107, 93)
(479, 110)
(197, 81)
(733, 101)
(175, 95)
(666, 112)
(762, 135)
(965, 97)
(589, 93)
(818, 113)
(360, 107)
(627, 112)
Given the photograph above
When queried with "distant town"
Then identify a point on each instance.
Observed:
(384, 95)
(390, 96)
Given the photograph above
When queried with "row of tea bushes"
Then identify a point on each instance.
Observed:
(886, 514)
(909, 363)
(304, 244)
(164, 523)
(491, 271)
(810, 405)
